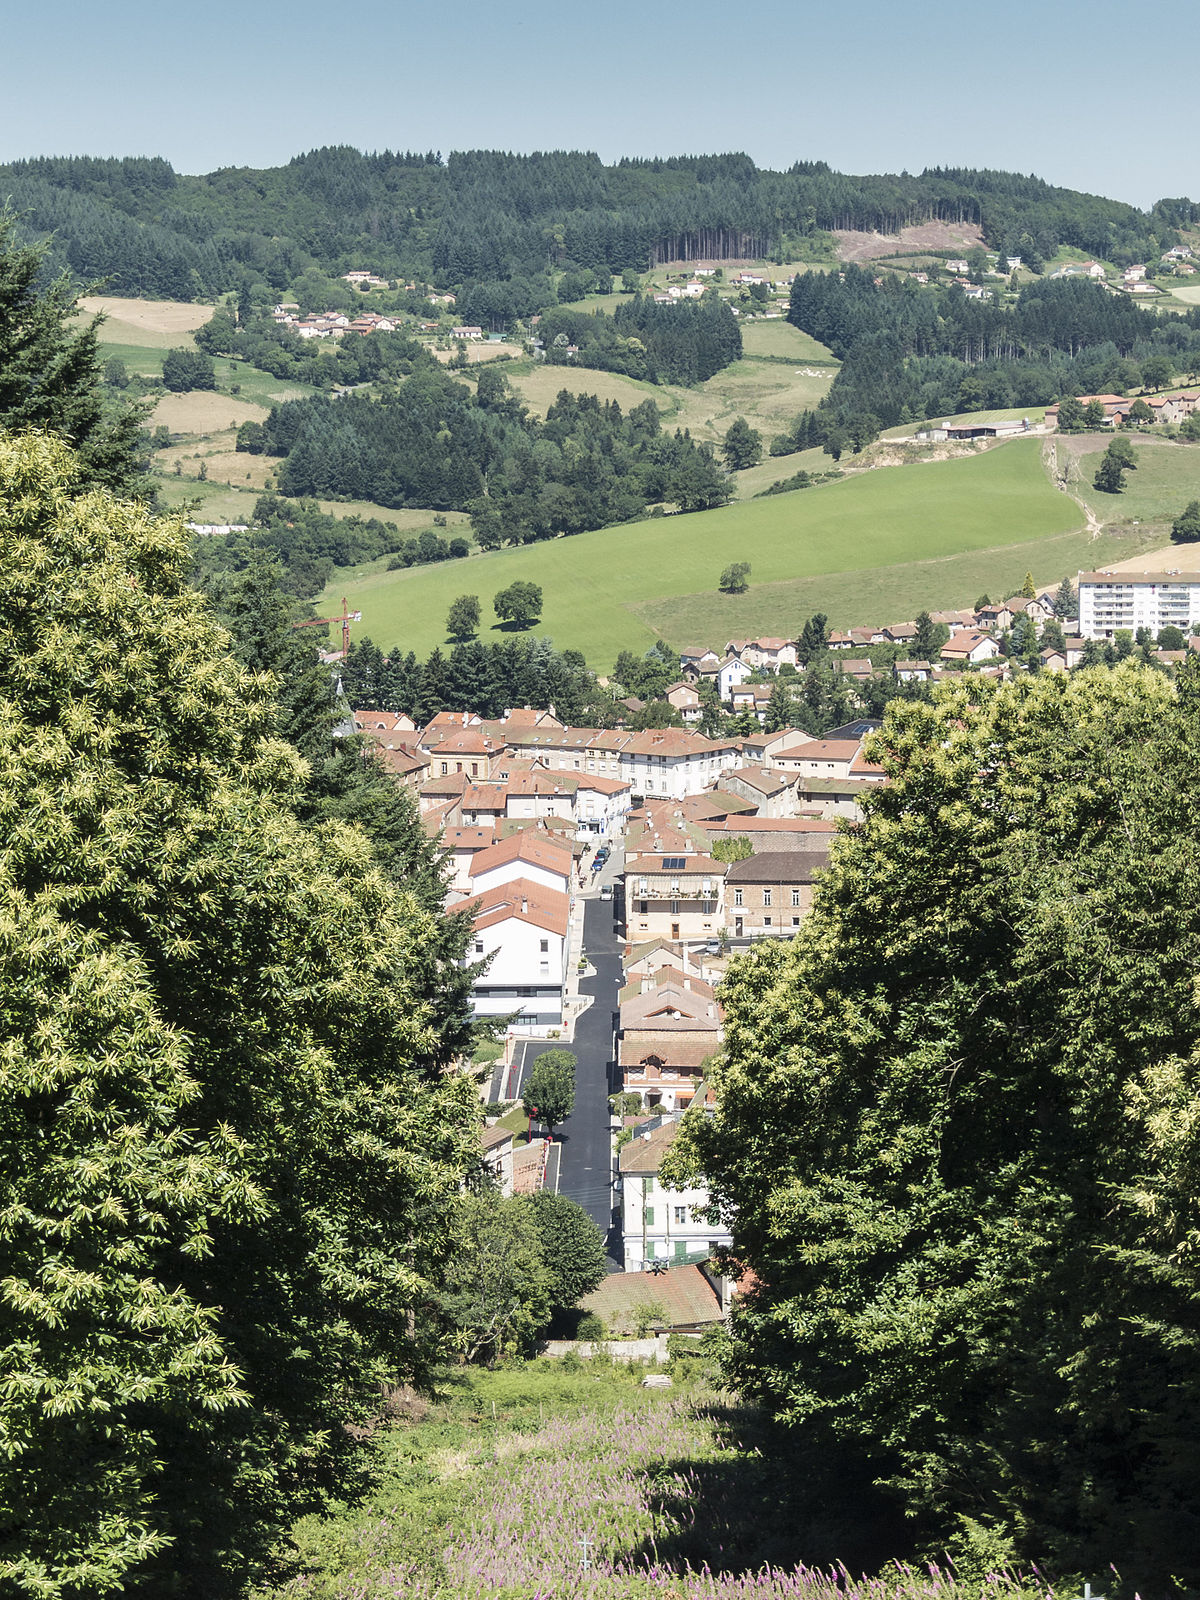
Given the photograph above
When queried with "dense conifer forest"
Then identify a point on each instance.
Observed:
(485, 218)
(909, 353)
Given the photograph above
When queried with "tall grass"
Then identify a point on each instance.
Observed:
(608, 1502)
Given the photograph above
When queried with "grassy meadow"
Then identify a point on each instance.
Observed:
(152, 324)
(778, 339)
(1167, 477)
(623, 587)
(553, 1479)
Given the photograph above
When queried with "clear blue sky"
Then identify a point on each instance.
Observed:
(1084, 92)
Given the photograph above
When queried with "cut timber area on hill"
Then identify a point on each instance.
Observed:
(855, 246)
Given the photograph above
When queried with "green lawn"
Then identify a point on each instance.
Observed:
(1167, 477)
(622, 587)
(138, 358)
(779, 338)
(774, 469)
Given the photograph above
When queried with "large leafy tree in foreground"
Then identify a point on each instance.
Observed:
(50, 369)
(959, 1130)
(229, 1137)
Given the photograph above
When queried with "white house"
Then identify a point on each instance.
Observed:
(601, 805)
(524, 928)
(768, 654)
(732, 671)
(532, 858)
(661, 1223)
(969, 647)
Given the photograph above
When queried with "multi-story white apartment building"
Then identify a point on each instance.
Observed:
(1109, 601)
(662, 761)
(525, 929)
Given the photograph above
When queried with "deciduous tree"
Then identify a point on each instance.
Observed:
(549, 1090)
(520, 603)
(956, 1131)
(742, 445)
(572, 1247)
(230, 1138)
(1186, 526)
(462, 620)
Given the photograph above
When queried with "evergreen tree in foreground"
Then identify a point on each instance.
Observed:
(958, 1134)
(50, 372)
(229, 1144)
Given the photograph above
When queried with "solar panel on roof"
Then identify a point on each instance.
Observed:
(674, 863)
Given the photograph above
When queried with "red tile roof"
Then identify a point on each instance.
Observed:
(536, 849)
(520, 899)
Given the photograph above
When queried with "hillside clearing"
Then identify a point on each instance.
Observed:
(158, 324)
(878, 595)
(203, 411)
(767, 393)
(855, 245)
(540, 388)
(778, 338)
(601, 589)
(479, 350)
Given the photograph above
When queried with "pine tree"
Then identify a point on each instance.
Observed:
(50, 373)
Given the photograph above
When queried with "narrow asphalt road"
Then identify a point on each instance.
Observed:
(587, 1146)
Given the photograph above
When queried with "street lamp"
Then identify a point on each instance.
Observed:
(529, 1135)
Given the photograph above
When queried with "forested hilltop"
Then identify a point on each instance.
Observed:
(480, 218)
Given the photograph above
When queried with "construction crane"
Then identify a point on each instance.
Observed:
(344, 621)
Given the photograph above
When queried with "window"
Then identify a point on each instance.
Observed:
(479, 947)
(766, 922)
(766, 897)
(795, 922)
(674, 908)
(681, 1216)
(643, 908)
(445, 768)
(648, 1214)
(795, 898)
(545, 946)
(737, 897)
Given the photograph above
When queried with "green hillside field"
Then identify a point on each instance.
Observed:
(847, 548)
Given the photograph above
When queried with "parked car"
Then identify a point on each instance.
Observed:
(606, 891)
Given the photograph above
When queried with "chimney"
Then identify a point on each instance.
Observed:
(525, 912)
(712, 1010)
